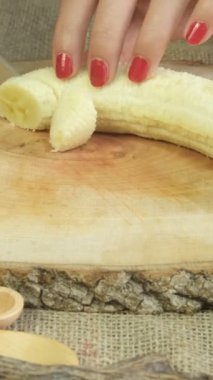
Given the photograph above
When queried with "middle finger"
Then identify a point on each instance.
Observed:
(107, 36)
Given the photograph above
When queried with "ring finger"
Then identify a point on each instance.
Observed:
(158, 27)
(200, 24)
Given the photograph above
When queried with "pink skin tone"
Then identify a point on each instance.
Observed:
(135, 33)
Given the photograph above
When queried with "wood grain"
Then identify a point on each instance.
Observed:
(145, 368)
(119, 200)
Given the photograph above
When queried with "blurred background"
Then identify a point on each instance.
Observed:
(26, 29)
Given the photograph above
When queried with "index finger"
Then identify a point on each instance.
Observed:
(70, 34)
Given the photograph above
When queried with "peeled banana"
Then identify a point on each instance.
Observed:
(172, 106)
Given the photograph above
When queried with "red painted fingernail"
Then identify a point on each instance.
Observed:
(99, 72)
(64, 66)
(138, 70)
(196, 32)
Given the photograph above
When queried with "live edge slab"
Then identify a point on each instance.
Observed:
(122, 224)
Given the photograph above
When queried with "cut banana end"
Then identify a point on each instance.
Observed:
(74, 120)
(27, 103)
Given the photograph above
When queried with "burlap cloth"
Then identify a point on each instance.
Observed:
(101, 339)
(26, 28)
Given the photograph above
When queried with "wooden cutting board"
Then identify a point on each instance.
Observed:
(119, 200)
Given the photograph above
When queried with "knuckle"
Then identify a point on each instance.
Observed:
(103, 43)
(154, 42)
(99, 35)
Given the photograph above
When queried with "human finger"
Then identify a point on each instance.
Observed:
(107, 36)
(157, 30)
(200, 24)
(70, 34)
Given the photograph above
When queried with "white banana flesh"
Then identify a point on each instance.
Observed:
(73, 122)
(27, 103)
(173, 106)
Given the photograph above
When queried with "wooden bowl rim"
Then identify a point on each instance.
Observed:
(17, 306)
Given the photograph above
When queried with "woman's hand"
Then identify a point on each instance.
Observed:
(133, 32)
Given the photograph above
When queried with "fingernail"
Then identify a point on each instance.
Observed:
(138, 70)
(196, 32)
(64, 66)
(99, 72)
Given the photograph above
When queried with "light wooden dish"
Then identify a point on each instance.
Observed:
(35, 349)
(11, 306)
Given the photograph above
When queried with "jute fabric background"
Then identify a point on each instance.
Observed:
(102, 339)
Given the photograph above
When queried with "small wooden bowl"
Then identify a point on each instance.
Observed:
(11, 306)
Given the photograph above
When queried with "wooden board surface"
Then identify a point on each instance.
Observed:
(117, 201)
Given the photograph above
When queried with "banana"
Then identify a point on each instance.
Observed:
(73, 122)
(173, 106)
(47, 77)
